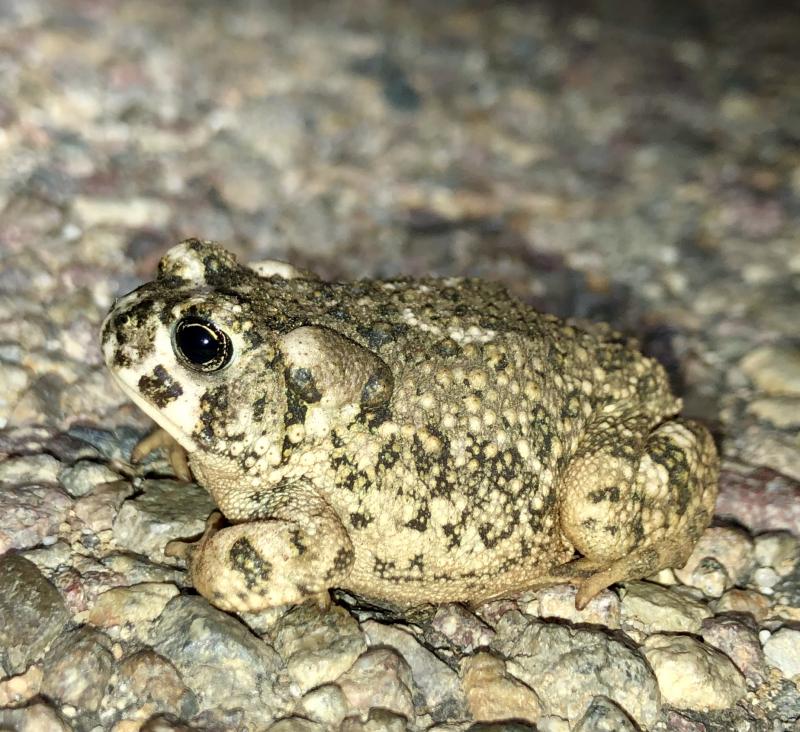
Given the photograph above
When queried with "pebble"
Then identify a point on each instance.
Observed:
(438, 685)
(77, 668)
(492, 694)
(32, 613)
(378, 720)
(731, 547)
(778, 550)
(225, 666)
(18, 690)
(463, 629)
(316, 645)
(567, 667)
(782, 412)
(604, 716)
(36, 717)
(326, 704)
(744, 601)
(142, 684)
(774, 369)
(14, 380)
(165, 511)
(379, 678)
(692, 675)
(558, 601)
(782, 650)
(649, 608)
(98, 509)
(765, 578)
(30, 469)
(739, 642)
(32, 515)
(84, 476)
(136, 604)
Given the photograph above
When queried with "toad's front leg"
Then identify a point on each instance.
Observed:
(295, 553)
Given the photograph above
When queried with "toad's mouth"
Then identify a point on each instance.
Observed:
(184, 440)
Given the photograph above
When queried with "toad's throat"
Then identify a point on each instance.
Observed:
(184, 440)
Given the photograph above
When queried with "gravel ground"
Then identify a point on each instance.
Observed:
(635, 162)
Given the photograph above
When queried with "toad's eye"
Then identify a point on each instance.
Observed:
(201, 345)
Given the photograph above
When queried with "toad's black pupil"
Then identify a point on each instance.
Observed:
(202, 344)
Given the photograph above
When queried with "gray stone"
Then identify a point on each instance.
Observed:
(740, 643)
(82, 477)
(649, 607)
(32, 613)
(32, 514)
(437, 689)
(692, 675)
(317, 646)
(165, 511)
(568, 667)
(224, 665)
(782, 650)
(77, 668)
(604, 716)
(142, 684)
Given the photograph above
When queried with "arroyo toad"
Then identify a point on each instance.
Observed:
(412, 441)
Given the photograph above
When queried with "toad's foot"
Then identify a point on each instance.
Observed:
(637, 501)
(263, 564)
(157, 439)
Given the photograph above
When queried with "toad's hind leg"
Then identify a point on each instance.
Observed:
(634, 503)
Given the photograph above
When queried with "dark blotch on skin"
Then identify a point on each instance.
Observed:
(159, 387)
(255, 570)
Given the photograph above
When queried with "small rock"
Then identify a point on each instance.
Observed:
(465, 630)
(142, 684)
(558, 601)
(379, 678)
(649, 608)
(765, 578)
(378, 720)
(781, 411)
(326, 704)
(778, 550)
(17, 690)
(32, 613)
(14, 380)
(567, 667)
(99, 508)
(318, 646)
(740, 643)
(774, 369)
(440, 688)
(604, 716)
(30, 469)
(692, 675)
(227, 667)
(77, 668)
(732, 548)
(85, 476)
(782, 650)
(744, 601)
(31, 515)
(136, 604)
(167, 510)
(493, 695)
(38, 717)
(710, 577)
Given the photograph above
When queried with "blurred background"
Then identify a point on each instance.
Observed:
(630, 161)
